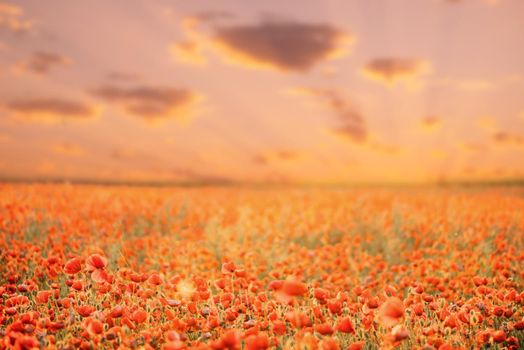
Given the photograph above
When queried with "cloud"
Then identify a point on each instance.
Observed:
(279, 155)
(123, 77)
(12, 18)
(472, 147)
(124, 153)
(389, 70)
(50, 110)
(355, 133)
(439, 154)
(191, 52)
(282, 45)
(151, 103)
(42, 62)
(386, 148)
(507, 138)
(351, 124)
(67, 149)
(431, 123)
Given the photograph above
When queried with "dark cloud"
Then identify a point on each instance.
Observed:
(124, 77)
(431, 120)
(282, 45)
(503, 137)
(122, 153)
(355, 132)
(351, 122)
(390, 69)
(149, 102)
(42, 62)
(260, 159)
(50, 110)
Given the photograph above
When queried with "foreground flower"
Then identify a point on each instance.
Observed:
(95, 262)
(391, 311)
(73, 266)
(399, 333)
(345, 325)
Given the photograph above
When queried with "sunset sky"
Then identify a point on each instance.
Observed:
(262, 91)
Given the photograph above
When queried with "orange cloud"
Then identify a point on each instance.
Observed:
(507, 138)
(67, 149)
(42, 62)
(351, 123)
(189, 52)
(12, 18)
(431, 123)
(50, 110)
(472, 147)
(385, 148)
(438, 154)
(280, 155)
(151, 103)
(390, 70)
(123, 153)
(282, 45)
(487, 123)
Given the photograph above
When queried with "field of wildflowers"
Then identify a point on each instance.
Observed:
(96, 267)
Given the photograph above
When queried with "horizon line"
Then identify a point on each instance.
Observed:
(235, 183)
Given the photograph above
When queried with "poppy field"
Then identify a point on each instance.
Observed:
(101, 267)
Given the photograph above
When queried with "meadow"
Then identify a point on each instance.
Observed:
(101, 267)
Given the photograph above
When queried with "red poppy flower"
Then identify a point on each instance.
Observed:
(96, 262)
(139, 316)
(399, 333)
(391, 311)
(73, 266)
(85, 310)
(257, 342)
(345, 325)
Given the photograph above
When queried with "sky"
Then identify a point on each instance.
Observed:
(300, 91)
